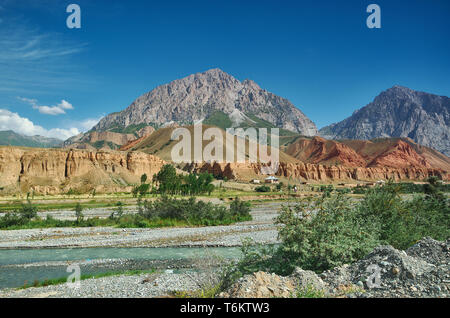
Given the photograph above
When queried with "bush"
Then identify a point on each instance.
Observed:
(28, 211)
(240, 208)
(319, 234)
(262, 189)
(79, 213)
(195, 212)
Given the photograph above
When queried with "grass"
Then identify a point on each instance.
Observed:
(127, 221)
(63, 280)
(309, 292)
(69, 203)
(163, 212)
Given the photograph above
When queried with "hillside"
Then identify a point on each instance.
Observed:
(160, 144)
(381, 152)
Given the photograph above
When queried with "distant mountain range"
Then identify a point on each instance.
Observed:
(399, 112)
(218, 99)
(10, 138)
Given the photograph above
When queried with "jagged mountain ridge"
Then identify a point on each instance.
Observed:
(198, 96)
(399, 112)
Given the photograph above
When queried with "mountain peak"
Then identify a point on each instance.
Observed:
(214, 71)
(399, 112)
(198, 96)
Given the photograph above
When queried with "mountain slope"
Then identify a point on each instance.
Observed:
(160, 144)
(382, 152)
(10, 138)
(399, 112)
(201, 95)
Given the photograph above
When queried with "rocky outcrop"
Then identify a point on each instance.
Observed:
(399, 112)
(317, 172)
(319, 150)
(420, 271)
(59, 170)
(95, 139)
(198, 96)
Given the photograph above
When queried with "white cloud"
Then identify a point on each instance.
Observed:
(13, 121)
(48, 110)
(87, 124)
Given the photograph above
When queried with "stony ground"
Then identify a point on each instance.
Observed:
(261, 229)
(421, 271)
(136, 286)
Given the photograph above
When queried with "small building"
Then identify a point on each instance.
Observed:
(271, 179)
(255, 181)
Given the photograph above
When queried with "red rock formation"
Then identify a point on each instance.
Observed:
(317, 172)
(57, 170)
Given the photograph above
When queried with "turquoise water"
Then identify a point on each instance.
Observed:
(25, 256)
(13, 275)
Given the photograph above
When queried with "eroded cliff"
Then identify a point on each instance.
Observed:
(59, 170)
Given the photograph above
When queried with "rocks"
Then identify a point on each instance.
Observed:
(262, 285)
(307, 278)
(385, 272)
(431, 251)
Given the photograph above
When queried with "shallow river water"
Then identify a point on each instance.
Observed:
(20, 266)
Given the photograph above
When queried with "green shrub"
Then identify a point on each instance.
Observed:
(28, 211)
(79, 213)
(319, 234)
(262, 189)
(240, 208)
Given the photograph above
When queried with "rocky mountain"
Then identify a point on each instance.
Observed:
(10, 138)
(213, 95)
(399, 112)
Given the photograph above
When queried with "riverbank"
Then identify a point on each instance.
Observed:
(124, 286)
(261, 229)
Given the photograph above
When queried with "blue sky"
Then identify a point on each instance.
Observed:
(319, 54)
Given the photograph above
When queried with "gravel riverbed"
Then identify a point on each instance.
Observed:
(261, 229)
(135, 286)
(160, 284)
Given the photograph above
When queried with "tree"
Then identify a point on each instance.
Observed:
(143, 189)
(143, 178)
(28, 211)
(168, 180)
(78, 213)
